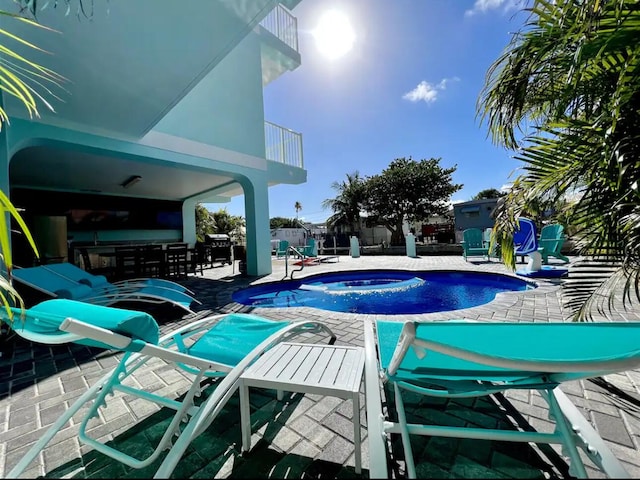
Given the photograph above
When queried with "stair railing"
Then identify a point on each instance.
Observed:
(298, 254)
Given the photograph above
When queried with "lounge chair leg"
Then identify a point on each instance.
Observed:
(53, 430)
(404, 433)
(357, 441)
(245, 417)
(576, 466)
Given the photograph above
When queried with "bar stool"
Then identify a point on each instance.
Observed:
(127, 262)
(152, 262)
(176, 259)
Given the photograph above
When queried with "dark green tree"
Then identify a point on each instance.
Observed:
(347, 205)
(204, 222)
(283, 222)
(408, 191)
(569, 84)
(488, 193)
(232, 225)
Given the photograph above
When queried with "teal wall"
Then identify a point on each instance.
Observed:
(226, 108)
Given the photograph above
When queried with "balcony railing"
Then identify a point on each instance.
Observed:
(283, 145)
(281, 23)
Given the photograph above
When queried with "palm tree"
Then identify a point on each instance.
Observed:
(24, 80)
(347, 205)
(205, 223)
(298, 207)
(571, 73)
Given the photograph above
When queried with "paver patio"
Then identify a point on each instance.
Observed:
(305, 436)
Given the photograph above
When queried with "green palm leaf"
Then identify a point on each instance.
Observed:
(565, 96)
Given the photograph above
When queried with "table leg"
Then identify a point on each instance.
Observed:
(357, 441)
(245, 417)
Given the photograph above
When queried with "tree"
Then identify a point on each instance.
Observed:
(204, 222)
(232, 225)
(347, 205)
(282, 222)
(488, 193)
(408, 191)
(20, 78)
(571, 73)
(298, 207)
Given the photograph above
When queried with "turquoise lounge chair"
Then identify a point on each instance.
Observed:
(56, 285)
(458, 359)
(550, 243)
(473, 244)
(79, 275)
(216, 346)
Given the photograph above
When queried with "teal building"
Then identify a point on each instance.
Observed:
(161, 108)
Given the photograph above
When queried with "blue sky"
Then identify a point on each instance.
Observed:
(407, 88)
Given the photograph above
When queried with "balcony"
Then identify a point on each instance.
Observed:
(283, 145)
(281, 23)
(278, 32)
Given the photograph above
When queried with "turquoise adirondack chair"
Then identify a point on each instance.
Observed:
(283, 246)
(473, 243)
(310, 249)
(551, 241)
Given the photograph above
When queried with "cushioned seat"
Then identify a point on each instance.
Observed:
(228, 345)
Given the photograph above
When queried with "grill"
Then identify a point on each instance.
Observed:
(219, 246)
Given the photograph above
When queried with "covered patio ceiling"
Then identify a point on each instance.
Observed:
(59, 169)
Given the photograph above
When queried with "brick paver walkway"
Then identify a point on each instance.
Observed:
(306, 436)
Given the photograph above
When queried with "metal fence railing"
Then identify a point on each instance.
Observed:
(283, 145)
(281, 23)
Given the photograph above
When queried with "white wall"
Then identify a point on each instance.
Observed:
(295, 236)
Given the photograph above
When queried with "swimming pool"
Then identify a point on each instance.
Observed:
(383, 291)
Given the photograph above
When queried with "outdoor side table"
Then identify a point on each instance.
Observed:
(330, 370)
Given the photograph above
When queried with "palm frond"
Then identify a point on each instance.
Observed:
(595, 286)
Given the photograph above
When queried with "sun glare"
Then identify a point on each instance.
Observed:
(334, 34)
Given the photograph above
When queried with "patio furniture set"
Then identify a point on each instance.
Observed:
(448, 359)
(157, 260)
(476, 242)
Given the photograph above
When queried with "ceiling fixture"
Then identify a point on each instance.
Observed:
(132, 180)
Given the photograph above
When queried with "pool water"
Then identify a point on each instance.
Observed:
(383, 291)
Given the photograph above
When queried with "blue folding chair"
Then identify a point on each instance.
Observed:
(525, 238)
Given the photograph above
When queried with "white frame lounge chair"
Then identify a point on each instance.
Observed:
(79, 275)
(459, 359)
(217, 346)
(52, 283)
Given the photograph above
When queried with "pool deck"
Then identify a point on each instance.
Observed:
(306, 436)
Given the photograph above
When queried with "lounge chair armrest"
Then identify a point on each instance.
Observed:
(122, 342)
(99, 334)
(595, 365)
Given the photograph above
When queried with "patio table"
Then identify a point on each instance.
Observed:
(306, 368)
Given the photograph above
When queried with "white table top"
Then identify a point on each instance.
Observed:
(311, 368)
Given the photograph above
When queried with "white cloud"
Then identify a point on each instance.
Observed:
(428, 92)
(483, 6)
(506, 187)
